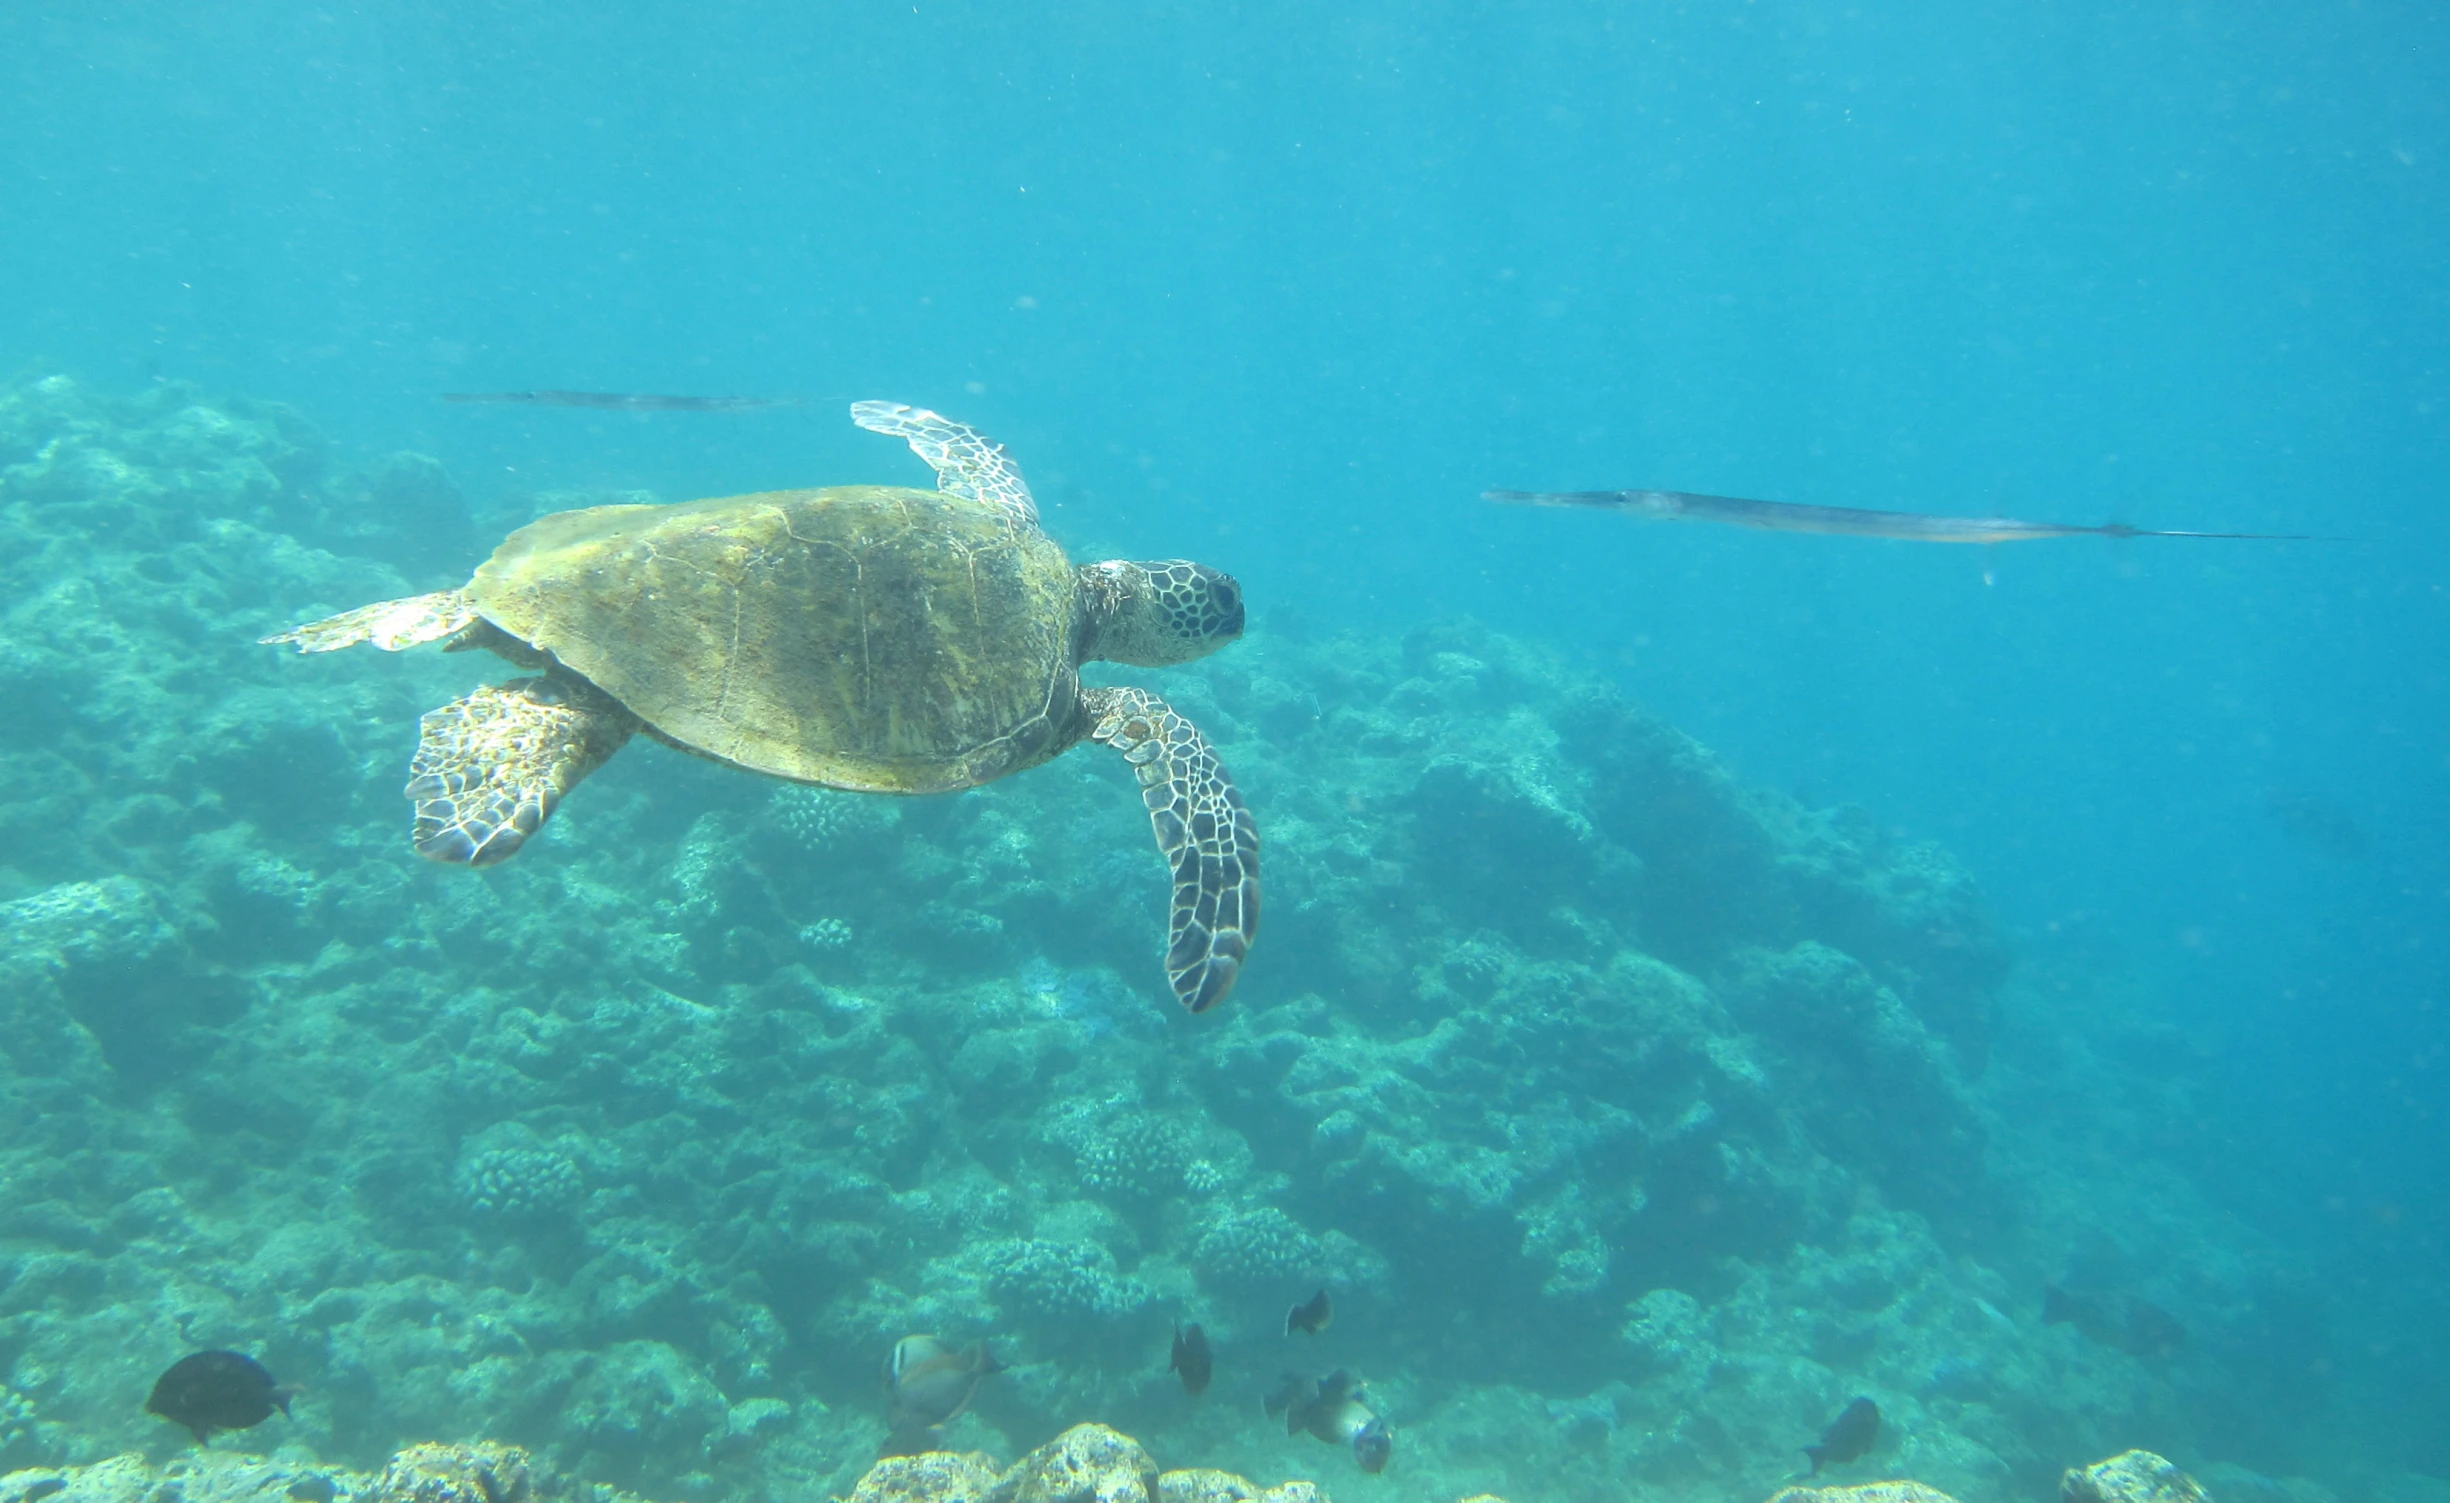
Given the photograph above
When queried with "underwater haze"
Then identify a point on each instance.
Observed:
(1708, 975)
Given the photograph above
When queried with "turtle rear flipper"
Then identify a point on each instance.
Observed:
(388, 624)
(1203, 829)
(490, 768)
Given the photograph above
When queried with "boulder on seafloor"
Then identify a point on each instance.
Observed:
(1863, 1492)
(434, 1472)
(429, 1472)
(930, 1477)
(1204, 1484)
(2130, 1477)
(1201, 1484)
(1085, 1464)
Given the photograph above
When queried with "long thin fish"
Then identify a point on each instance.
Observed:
(1908, 526)
(623, 401)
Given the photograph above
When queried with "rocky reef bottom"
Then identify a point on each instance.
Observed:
(1640, 1120)
(428, 1472)
(1085, 1464)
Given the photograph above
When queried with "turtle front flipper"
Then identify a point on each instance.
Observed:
(1203, 829)
(491, 767)
(388, 624)
(967, 462)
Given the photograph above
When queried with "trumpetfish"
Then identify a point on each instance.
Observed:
(623, 401)
(1907, 526)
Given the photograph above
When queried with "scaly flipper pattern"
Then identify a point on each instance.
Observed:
(490, 768)
(967, 462)
(1205, 832)
(388, 624)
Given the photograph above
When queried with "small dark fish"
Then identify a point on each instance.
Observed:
(928, 1383)
(2152, 1332)
(2318, 822)
(1336, 1410)
(1848, 1436)
(2121, 1322)
(1906, 526)
(208, 1391)
(624, 401)
(1313, 1316)
(1192, 1358)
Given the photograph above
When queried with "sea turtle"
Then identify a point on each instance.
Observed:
(864, 637)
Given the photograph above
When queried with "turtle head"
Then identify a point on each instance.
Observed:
(1158, 612)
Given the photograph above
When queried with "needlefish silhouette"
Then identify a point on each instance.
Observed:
(624, 401)
(1907, 526)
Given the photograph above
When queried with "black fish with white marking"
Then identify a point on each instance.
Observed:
(1337, 1410)
(1311, 1316)
(1848, 1436)
(1192, 1358)
(209, 1391)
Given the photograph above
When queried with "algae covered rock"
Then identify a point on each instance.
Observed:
(1201, 1484)
(1863, 1492)
(428, 1472)
(1085, 1464)
(2130, 1477)
(931, 1477)
(432, 1472)
(645, 1396)
(124, 1479)
(1878, 1086)
(83, 923)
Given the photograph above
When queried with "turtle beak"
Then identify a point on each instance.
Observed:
(1228, 593)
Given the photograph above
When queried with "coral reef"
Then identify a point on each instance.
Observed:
(1636, 1118)
(516, 1183)
(1055, 1284)
(427, 1472)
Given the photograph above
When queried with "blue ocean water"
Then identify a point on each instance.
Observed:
(1284, 287)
